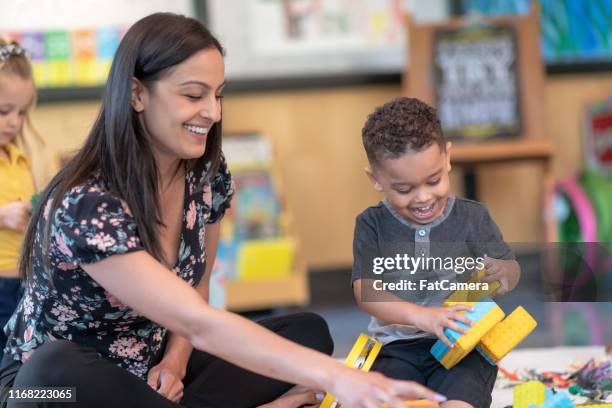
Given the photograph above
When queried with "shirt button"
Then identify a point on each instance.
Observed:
(422, 233)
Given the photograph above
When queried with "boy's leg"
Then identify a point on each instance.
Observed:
(470, 382)
(212, 382)
(402, 359)
(98, 382)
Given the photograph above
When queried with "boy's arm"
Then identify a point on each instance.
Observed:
(500, 263)
(506, 271)
(384, 305)
(391, 309)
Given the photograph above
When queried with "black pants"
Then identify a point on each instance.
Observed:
(10, 293)
(209, 382)
(471, 380)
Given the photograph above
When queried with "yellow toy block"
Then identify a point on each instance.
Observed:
(421, 404)
(362, 356)
(473, 295)
(364, 352)
(507, 334)
(529, 393)
(465, 343)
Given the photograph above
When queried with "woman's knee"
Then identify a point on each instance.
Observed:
(53, 363)
(314, 331)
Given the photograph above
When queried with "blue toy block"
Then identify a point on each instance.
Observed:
(480, 309)
(557, 400)
(485, 315)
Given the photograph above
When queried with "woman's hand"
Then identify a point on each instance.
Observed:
(296, 397)
(167, 380)
(358, 389)
(436, 319)
(15, 215)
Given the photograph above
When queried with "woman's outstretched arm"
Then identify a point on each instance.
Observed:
(142, 283)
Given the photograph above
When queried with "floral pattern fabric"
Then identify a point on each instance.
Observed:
(91, 224)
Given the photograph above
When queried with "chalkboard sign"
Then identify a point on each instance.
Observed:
(476, 81)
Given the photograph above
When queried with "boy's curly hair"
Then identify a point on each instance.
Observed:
(400, 126)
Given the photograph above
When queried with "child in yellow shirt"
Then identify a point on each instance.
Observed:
(17, 94)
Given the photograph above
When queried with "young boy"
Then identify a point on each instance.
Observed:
(409, 162)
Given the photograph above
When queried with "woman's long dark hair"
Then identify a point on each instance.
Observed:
(117, 148)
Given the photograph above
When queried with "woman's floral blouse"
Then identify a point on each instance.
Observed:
(66, 303)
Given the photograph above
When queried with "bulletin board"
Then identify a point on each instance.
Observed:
(72, 43)
(277, 44)
(270, 44)
(268, 38)
(575, 35)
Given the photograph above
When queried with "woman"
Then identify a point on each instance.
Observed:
(126, 230)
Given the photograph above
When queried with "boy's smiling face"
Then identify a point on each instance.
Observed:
(416, 184)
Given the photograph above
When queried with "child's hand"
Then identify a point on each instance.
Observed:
(506, 272)
(15, 215)
(436, 319)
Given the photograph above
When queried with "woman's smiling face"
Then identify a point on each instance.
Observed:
(179, 110)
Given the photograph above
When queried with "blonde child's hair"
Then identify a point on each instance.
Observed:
(14, 60)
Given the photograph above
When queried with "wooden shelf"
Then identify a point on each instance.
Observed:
(264, 294)
(256, 291)
(499, 151)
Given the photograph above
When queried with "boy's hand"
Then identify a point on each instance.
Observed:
(436, 319)
(506, 272)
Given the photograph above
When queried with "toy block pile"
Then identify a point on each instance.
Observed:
(492, 335)
(534, 394)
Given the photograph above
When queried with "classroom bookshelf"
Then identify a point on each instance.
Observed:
(258, 252)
